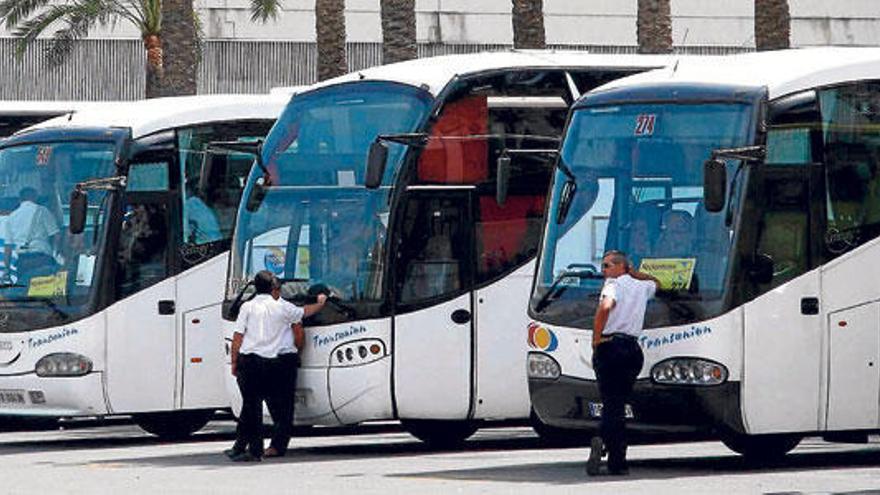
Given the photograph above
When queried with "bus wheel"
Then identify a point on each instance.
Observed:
(173, 425)
(761, 448)
(442, 434)
(554, 436)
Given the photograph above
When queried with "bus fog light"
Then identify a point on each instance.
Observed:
(63, 364)
(688, 371)
(542, 366)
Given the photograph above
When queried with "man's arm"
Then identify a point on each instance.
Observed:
(310, 309)
(299, 336)
(233, 353)
(601, 318)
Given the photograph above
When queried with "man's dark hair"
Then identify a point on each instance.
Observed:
(264, 281)
(616, 256)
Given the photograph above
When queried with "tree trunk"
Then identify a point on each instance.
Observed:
(772, 25)
(398, 30)
(154, 69)
(179, 47)
(330, 27)
(528, 24)
(654, 26)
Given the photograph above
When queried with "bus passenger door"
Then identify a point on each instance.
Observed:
(433, 325)
(141, 324)
(782, 327)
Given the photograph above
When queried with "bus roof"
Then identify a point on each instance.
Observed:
(24, 107)
(434, 73)
(782, 72)
(145, 117)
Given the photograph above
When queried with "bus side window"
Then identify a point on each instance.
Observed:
(850, 119)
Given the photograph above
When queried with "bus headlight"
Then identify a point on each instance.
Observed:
(63, 364)
(542, 366)
(688, 371)
(357, 353)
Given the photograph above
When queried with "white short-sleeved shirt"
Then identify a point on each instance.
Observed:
(630, 300)
(29, 228)
(265, 324)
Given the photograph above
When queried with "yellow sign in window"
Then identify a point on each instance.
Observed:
(673, 273)
(49, 286)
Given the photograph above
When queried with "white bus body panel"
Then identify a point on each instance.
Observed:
(501, 385)
(142, 361)
(854, 370)
(850, 294)
(360, 392)
(63, 396)
(718, 339)
(782, 359)
(199, 293)
(432, 362)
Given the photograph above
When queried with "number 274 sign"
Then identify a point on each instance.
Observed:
(645, 124)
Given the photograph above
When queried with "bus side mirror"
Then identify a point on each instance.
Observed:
(566, 196)
(79, 207)
(502, 179)
(714, 185)
(376, 160)
(761, 271)
(257, 194)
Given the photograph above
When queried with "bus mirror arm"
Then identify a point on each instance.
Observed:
(715, 173)
(79, 200)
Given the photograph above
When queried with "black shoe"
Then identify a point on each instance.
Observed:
(595, 459)
(246, 457)
(618, 470)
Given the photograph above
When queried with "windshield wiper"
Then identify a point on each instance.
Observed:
(554, 291)
(10, 285)
(48, 302)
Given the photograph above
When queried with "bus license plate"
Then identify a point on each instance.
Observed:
(12, 398)
(596, 410)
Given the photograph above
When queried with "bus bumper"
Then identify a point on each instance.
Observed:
(30, 395)
(566, 403)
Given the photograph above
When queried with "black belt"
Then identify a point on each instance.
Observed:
(624, 336)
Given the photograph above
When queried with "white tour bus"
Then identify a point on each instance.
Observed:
(16, 115)
(430, 250)
(748, 184)
(110, 293)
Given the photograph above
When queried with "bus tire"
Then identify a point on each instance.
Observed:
(441, 434)
(554, 436)
(173, 425)
(761, 448)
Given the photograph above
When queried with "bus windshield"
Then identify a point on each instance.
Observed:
(317, 223)
(43, 265)
(639, 176)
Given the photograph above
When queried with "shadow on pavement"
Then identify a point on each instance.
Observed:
(659, 469)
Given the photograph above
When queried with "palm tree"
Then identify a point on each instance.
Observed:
(772, 25)
(654, 26)
(398, 30)
(330, 28)
(180, 40)
(528, 24)
(77, 19)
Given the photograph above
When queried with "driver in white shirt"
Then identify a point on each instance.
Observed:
(31, 231)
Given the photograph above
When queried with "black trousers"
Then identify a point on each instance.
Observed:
(617, 363)
(273, 381)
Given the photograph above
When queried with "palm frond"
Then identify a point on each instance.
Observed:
(29, 30)
(12, 12)
(152, 16)
(263, 10)
(79, 21)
